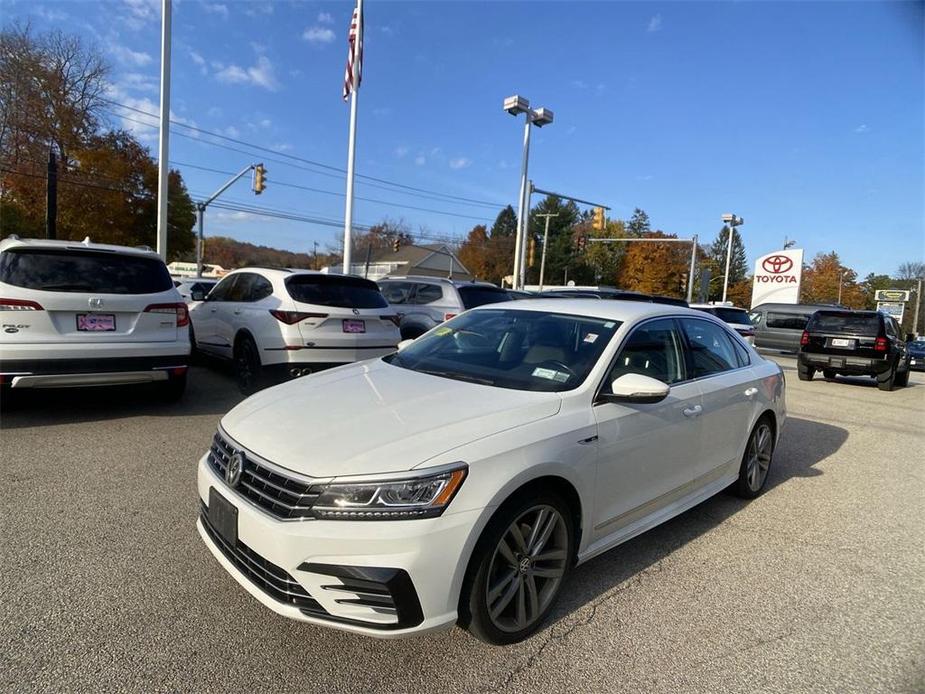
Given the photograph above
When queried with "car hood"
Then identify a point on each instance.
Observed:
(373, 417)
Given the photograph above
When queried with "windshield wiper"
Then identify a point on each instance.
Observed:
(458, 376)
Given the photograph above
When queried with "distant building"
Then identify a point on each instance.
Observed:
(178, 269)
(432, 260)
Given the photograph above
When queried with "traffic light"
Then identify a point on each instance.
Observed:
(260, 179)
(396, 244)
(582, 242)
(598, 219)
(532, 251)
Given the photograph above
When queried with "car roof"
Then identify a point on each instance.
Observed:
(440, 280)
(595, 308)
(11, 242)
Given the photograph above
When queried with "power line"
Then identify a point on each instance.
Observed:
(300, 159)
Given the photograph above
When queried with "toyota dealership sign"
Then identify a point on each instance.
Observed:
(777, 278)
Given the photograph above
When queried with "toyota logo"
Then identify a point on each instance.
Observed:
(234, 469)
(777, 264)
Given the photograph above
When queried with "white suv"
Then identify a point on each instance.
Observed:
(89, 314)
(295, 320)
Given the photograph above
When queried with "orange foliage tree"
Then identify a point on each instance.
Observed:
(654, 268)
(821, 281)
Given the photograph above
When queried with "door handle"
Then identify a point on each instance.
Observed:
(750, 392)
(692, 411)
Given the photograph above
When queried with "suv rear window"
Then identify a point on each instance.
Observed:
(739, 316)
(83, 271)
(787, 321)
(335, 290)
(473, 296)
(867, 324)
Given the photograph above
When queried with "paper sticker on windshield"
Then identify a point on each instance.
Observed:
(443, 331)
(550, 374)
(590, 337)
(609, 324)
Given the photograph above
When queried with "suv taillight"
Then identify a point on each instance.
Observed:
(179, 309)
(746, 332)
(393, 319)
(447, 316)
(293, 317)
(19, 305)
(804, 339)
(882, 345)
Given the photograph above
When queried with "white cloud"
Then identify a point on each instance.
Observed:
(325, 18)
(199, 61)
(232, 131)
(141, 12)
(259, 75)
(49, 15)
(214, 112)
(139, 82)
(460, 163)
(401, 152)
(266, 123)
(420, 160)
(256, 8)
(318, 35)
(231, 217)
(655, 24)
(216, 8)
(862, 128)
(128, 57)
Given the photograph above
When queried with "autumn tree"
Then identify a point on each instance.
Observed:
(654, 268)
(821, 282)
(475, 253)
(230, 254)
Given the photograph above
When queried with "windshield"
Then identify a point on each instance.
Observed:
(508, 348)
(335, 290)
(473, 296)
(844, 322)
(84, 271)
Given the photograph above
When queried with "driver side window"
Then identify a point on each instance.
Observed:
(220, 291)
(654, 350)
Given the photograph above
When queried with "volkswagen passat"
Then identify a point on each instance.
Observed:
(459, 479)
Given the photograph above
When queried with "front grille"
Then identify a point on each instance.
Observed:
(270, 578)
(283, 496)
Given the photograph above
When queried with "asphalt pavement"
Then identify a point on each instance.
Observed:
(816, 586)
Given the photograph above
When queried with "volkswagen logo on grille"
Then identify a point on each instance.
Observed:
(776, 264)
(234, 469)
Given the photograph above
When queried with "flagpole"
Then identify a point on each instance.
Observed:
(351, 144)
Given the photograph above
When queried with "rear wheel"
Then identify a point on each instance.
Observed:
(887, 380)
(902, 379)
(805, 373)
(518, 568)
(247, 366)
(756, 462)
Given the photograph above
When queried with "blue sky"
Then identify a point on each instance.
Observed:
(807, 119)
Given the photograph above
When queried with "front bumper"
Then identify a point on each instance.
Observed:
(917, 363)
(97, 371)
(379, 578)
(845, 364)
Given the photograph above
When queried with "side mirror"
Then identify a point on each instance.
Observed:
(636, 388)
(198, 295)
(403, 344)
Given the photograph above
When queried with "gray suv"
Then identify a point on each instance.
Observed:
(425, 302)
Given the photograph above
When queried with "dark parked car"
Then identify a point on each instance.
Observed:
(916, 354)
(855, 343)
(610, 293)
(780, 326)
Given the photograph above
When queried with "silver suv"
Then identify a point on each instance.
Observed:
(425, 302)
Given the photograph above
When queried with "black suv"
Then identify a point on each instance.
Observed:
(854, 343)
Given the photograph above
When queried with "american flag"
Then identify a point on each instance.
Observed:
(352, 74)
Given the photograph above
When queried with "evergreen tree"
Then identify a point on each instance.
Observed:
(638, 226)
(505, 223)
(716, 262)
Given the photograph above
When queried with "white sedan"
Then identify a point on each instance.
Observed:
(459, 479)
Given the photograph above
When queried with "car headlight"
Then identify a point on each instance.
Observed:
(421, 496)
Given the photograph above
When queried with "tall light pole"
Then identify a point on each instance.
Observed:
(547, 215)
(163, 166)
(731, 223)
(515, 105)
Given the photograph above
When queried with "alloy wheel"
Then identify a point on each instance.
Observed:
(526, 568)
(760, 448)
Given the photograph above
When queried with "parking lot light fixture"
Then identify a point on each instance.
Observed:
(731, 221)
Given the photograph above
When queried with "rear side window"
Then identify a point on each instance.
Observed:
(732, 315)
(475, 295)
(844, 322)
(711, 349)
(335, 290)
(397, 292)
(427, 293)
(83, 271)
(787, 321)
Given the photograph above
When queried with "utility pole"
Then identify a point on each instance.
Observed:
(841, 281)
(315, 255)
(690, 275)
(163, 165)
(51, 197)
(201, 209)
(547, 215)
(918, 309)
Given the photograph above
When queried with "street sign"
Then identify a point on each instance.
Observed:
(892, 308)
(892, 295)
(777, 277)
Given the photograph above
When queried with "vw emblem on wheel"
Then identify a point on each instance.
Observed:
(356, 312)
(234, 469)
(95, 302)
(776, 264)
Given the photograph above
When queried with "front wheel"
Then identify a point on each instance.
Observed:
(518, 568)
(753, 473)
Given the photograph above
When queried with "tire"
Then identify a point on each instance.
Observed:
(502, 571)
(902, 379)
(173, 389)
(805, 373)
(247, 371)
(828, 374)
(887, 380)
(756, 461)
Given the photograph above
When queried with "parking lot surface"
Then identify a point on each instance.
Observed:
(818, 585)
